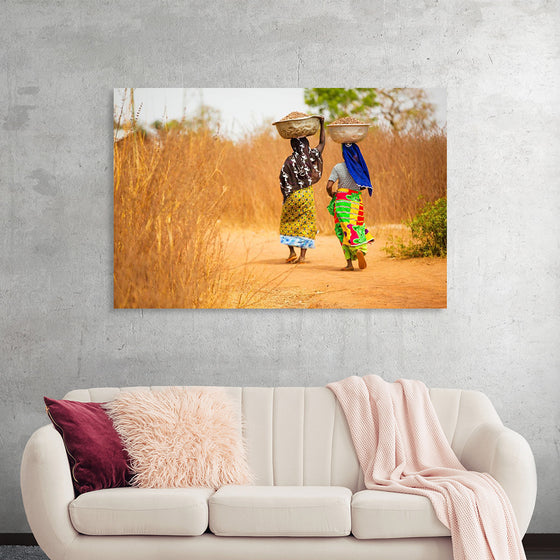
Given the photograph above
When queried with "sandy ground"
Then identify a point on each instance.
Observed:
(262, 279)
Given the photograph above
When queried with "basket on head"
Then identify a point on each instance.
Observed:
(297, 125)
(348, 130)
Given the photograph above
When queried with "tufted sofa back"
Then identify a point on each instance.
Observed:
(298, 435)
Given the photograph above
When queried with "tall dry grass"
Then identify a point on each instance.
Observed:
(407, 171)
(168, 198)
(176, 195)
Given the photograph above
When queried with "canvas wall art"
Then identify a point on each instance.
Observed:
(305, 198)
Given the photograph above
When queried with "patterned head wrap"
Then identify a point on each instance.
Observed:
(356, 166)
(296, 171)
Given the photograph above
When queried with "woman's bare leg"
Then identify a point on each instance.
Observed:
(301, 255)
(292, 256)
(349, 266)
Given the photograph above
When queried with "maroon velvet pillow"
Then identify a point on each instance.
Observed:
(97, 456)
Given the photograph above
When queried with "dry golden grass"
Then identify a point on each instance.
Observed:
(176, 195)
(168, 197)
(403, 169)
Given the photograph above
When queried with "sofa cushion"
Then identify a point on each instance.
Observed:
(280, 511)
(181, 437)
(391, 515)
(95, 451)
(142, 511)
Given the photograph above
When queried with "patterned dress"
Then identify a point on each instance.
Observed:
(347, 205)
(298, 224)
(347, 208)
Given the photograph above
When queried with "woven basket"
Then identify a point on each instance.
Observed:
(297, 128)
(348, 133)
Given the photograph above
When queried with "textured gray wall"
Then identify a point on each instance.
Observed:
(501, 331)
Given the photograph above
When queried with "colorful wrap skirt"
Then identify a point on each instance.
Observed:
(298, 224)
(348, 210)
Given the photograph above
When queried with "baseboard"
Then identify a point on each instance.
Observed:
(23, 539)
(531, 540)
(542, 541)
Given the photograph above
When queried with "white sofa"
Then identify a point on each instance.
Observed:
(308, 500)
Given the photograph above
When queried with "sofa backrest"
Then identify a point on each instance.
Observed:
(299, 436)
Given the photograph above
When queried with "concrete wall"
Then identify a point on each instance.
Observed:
(500, 333)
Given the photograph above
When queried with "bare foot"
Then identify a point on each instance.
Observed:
(301, 260)
(347, 269)
(361, 259)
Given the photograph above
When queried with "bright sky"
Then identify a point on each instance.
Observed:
(241, 109)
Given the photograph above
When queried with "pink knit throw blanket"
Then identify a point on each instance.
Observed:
(402, 448)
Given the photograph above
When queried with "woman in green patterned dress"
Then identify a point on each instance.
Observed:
(347, 207)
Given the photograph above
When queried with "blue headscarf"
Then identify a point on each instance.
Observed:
(357, 166)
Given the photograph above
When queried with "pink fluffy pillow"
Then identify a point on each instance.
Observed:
(178, 438)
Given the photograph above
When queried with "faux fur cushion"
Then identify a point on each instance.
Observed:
(178, 438)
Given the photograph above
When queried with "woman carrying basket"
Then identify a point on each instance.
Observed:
(300, 171)
(347, 207)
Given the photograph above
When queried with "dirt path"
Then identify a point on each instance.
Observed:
(261, 276)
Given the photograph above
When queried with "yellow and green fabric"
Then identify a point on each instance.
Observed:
(298, 224)
(347, 208)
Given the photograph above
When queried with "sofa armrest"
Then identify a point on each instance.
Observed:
(504, 454)
(47, 490)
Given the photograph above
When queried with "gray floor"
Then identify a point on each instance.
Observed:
(22, 553)
(35, 553)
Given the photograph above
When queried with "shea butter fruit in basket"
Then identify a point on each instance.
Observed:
(297, 125)
(348, 130)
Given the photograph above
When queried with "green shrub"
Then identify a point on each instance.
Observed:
(429, 234)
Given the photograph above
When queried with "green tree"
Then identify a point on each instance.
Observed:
(333, 103)
(401, 109)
